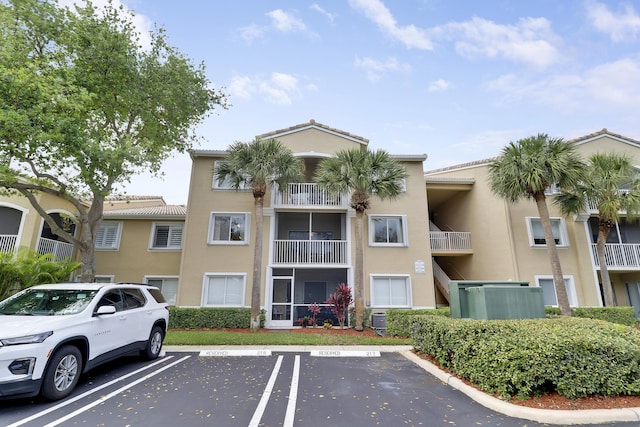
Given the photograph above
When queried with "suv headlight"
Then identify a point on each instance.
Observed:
(27, 339)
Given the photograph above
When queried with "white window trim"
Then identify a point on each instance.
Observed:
(407, 278)
(205, 289)
(216, 186)
(571, 289)
(168, 248)
(247, 222)
(564, 237)
(403, 223)
(146, 279)
(116, 246)
(110, 277)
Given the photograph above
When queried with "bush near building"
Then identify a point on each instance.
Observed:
(575, 357)
(210, 318)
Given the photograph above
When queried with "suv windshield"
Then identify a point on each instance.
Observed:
(47, 302)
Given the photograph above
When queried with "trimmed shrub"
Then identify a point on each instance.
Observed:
(398, 321)
(199, 318)
(621, 315)
(573, 356)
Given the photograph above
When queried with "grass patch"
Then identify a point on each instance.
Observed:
(201, 337)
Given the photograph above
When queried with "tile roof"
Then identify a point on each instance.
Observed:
(309, 124)
(123, 198)
(150, 212)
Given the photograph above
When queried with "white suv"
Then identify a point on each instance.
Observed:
(51, 334)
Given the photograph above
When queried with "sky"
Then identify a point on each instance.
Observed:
(456, 80)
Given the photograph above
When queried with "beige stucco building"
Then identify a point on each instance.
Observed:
(508, 242)
(308, 246)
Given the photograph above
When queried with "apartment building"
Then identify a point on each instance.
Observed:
(475, 235)
(308, 237)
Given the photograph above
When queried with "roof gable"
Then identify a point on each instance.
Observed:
(312, 124)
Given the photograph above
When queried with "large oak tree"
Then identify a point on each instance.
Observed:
(84, 107)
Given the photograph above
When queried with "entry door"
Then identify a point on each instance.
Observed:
(282, 301)
(634, 297)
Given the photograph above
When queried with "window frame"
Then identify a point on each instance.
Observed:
(562, 230)
(404, 234)
(205, 289)
(407, 285)
(228, 186)
(171, 299)
(116, 240)
(247, 224)
(569, 284)
(153, 236)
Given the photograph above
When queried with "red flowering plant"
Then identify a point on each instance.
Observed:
(340, 301)
(314, 309)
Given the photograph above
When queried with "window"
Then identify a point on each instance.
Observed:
(390, 291)
(536, 233)
(167, 236)
(103, 279)
(108, 235)
(167, 285)
(549, 291)
(226, 184)
(389, 230)
(228, 228)
(223, 290)
(133, 298)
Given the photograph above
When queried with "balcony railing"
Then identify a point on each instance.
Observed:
(8, 242)
(310, 252)
(308, 195)
(450, 241)
(619, 255)
(62, 250)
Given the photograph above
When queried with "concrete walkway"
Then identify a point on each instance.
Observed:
(548, 416)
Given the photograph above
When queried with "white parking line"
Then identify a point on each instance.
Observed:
(85, 394)
(293, 394)
(262, 405)
(114, 393)
(345, 353)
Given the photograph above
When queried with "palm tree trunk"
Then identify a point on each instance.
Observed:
(358, 286)
(607, 289)
(257, 265)
(554, 259)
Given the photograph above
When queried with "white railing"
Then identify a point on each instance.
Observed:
(450, 240)
(308, 194)
(625, 255)
(62, 250)
(310, 252)
(8, 242)
(592, 204)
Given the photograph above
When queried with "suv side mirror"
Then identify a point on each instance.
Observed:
(105, 309)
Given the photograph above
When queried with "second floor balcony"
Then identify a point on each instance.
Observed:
(62, 250)
(8, 242)
(315, 252)
(450, 242)
(308, 195)
(619, 256)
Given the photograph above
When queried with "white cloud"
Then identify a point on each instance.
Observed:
(285, 22)
(621, 26)
(251, 32)
(377, 69)
(440, 85)
(411, 36)
(530, 41)
(319, 9)
(279, 88)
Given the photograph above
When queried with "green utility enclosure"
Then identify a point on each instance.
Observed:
(471, 299)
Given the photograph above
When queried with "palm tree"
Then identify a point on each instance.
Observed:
(258, 165)
(613, 183)
(526, 168)
(363, 174)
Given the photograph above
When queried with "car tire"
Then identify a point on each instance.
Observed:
(154, 344)
(62, 374)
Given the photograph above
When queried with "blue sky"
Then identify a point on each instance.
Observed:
(454, 79)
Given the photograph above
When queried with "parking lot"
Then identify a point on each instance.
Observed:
(271, 389)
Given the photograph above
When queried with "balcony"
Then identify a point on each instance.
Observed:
(8, 242)
(317, 252)
(619, 255)
(450, 242)
(308, 195)
(61, 250)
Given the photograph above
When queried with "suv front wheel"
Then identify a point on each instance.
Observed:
(63, 373)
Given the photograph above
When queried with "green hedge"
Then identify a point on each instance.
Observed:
(621, 315)
(398, 321)
(197, 318)
(574, 356)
